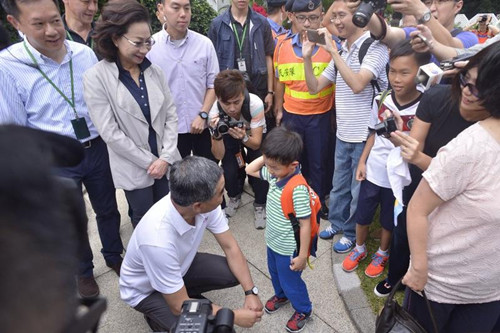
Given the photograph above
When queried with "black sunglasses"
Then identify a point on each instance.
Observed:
(472, 87)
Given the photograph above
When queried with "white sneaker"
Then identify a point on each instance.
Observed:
(260, 217)
(232, 206)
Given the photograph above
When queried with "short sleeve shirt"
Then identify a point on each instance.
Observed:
(465, 175)
(279, 232)
(162, 249)
(353, 110)
(256, 112)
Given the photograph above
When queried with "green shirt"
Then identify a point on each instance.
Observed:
(279, 232)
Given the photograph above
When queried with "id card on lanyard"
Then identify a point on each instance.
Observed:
(79, 124)
(241, 61)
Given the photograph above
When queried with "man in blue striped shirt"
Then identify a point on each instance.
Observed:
(41, 80)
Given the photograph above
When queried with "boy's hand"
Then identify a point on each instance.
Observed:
(298, 264)
(361, 171)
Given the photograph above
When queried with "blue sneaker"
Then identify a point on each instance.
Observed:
(344, 245)
(328, 233)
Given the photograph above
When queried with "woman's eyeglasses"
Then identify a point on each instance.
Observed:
(148, 43)
(464, 83)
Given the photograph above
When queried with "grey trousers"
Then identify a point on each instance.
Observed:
(207, 272)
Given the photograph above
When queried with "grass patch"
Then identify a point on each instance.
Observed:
(367, 283)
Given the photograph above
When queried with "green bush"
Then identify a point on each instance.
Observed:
(202, 16)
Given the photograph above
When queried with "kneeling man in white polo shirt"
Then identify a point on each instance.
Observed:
(162, 267)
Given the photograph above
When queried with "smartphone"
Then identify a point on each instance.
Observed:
(315, 37)
(426, 42)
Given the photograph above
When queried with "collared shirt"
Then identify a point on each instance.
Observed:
(353, 110)
(245, 39)
(140, 94)
(162, 249)
(73, 36)
(278, 29)
(190, 69)
(28, 99)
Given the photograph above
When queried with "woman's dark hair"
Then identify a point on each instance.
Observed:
(229, 84)
(487, 62)
(282, 145)
(116, 17)
(404, 48)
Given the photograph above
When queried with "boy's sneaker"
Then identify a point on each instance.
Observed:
(297, 322)
(352, 261)
(274, 303)
(344, 245)
(232, 206)
(328, 233)
(260, 217)
(382, 289)
(376, 267)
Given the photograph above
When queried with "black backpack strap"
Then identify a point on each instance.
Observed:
(455, 32)
(245, 108)
(296, 230)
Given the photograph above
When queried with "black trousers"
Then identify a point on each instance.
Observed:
(235, 176)
(198, 144)
(207, 272)
(399, 260)
(141, 200)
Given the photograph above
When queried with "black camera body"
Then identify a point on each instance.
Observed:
(196, 317)
(484, 18)
(386, 127)
(225, 123)
(365, 11)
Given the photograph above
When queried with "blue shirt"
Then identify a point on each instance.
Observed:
(28, 99)
(140, 94)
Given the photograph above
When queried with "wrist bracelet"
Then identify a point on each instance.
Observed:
(384, 29)
(270, 92)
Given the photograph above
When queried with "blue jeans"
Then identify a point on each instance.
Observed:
(288, 283)
(95, 174)
(345, 191)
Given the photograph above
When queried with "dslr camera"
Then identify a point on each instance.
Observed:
(196, 317)
(225, 123)
(365, 11)
(386, 127)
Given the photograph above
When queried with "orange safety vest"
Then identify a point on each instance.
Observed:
(290, 67)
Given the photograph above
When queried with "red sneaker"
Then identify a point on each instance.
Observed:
(297, 322)
(376, 267)
(274, 303)
(352, 261)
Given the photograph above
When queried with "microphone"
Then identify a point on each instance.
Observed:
(429, 75)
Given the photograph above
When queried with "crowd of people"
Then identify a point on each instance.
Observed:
(156, 113)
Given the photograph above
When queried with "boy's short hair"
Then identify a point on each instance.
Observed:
(404, 48)
(228, 84)
(282, 145)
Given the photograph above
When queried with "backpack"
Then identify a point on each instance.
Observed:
(245, 108)
(361, 55)
(289, 212)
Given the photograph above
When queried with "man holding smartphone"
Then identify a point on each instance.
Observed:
(305, 113)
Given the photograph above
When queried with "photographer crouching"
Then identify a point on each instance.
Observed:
(237, 125)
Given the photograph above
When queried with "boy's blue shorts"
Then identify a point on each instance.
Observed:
(370, 196)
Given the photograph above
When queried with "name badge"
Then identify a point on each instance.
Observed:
(242, 66)
(80, 127)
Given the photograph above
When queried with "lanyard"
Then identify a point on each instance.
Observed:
(240, 42)
(72, 102)
(71, 39)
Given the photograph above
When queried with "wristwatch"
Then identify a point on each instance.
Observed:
(203, 115)
(245, 138)
(425, 18)
(253, 291)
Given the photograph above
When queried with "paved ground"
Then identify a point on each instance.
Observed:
(338, 306)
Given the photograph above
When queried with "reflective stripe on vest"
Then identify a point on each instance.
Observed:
(290, 69)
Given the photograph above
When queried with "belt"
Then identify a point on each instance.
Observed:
(88, 144)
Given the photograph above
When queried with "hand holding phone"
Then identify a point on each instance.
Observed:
(315, 37)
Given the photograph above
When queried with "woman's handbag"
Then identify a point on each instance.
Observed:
(395, 319)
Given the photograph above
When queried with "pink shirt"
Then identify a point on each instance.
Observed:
(464, 232)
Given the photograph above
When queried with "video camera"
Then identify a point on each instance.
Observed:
(386, 127)
(196, 316)
(365, 11)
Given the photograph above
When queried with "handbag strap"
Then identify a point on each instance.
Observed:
(431, 313)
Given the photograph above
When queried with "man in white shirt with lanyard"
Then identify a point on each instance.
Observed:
(41, 80)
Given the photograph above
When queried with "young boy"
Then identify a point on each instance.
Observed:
(375, 187)
(281, 151)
